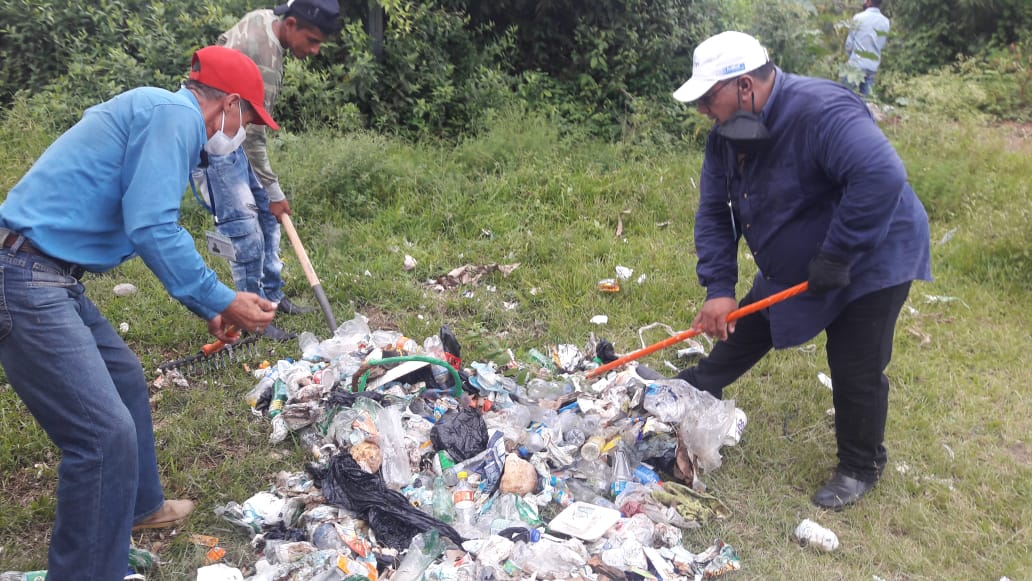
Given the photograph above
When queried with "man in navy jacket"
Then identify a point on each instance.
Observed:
(798, 167)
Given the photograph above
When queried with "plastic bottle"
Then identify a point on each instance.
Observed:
(592, 448)
(538, 389)
(645, 474)
(462, 498)
(583, 492)
(444, 509)
(258, 391)
(451, 474)
(622, 471)
(813, 534)
(279, 398)
(424, 549)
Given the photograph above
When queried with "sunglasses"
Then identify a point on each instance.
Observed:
(707, 99)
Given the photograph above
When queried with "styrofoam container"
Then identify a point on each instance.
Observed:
(584, 520)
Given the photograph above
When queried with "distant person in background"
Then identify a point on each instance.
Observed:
(238, 184)
(864, 44)
(798, 167)
(106, 191)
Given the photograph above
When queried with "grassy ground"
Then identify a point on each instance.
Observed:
(956, 499)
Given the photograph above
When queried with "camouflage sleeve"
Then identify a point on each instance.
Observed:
(252, 37)
(257, 154)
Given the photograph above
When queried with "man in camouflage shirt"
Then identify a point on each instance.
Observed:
(240, 188)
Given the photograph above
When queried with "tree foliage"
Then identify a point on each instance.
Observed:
(938, 32)
(442, 67)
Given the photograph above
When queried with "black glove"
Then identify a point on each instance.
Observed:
(828, 273)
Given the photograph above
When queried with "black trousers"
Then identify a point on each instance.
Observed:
(859, 349)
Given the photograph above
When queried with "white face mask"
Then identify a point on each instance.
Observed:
(221, 144)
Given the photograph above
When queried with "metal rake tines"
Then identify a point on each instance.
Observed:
(200, 363)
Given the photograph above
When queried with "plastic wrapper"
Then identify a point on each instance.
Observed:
(549, 559)
(703, 420)
(301, 414)
(624, 555)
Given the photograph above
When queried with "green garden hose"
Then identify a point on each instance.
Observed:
(456, 391)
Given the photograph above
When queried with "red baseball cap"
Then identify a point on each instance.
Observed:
(232, 71)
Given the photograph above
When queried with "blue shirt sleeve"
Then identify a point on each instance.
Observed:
(155, 172)
(716, 235)
(855, 153)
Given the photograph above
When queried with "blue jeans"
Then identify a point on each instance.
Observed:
(241, 208)
(865, 86)
(87, 390)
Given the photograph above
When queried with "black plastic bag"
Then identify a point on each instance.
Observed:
(461, 433)
(605, 351)
(394, 520)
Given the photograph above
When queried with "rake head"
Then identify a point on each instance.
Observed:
(207, 360)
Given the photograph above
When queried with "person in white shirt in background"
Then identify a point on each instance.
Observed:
(864, 45)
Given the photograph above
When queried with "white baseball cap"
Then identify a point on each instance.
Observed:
(723, 56)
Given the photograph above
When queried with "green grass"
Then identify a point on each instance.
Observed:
(956, 499)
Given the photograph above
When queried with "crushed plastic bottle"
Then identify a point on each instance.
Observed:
(424, 549)
(813, 534)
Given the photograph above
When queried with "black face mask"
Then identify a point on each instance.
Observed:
(745, 132)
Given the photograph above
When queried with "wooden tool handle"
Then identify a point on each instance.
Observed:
(302, 256)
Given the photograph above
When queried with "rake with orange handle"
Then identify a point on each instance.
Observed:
(214, 355)
(732, 316)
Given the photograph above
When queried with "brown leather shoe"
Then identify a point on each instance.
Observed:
(171, 513)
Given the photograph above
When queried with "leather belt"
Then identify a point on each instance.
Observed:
(28, 248)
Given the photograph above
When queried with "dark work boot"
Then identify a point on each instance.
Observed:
(289, 308)
(276, 334)
(841, 490)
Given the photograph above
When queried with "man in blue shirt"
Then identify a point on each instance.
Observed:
(864, 43)
(798, 167)
(105, 191)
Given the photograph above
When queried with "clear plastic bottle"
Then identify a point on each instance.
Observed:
(462, 499)
(622, 471)
(444, 510)
(424, 549)
(259, 390)
(583, 492)
(538, 389)
(592, 448)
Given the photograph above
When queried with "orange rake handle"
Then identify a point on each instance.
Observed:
(732, 316)
(213, 348)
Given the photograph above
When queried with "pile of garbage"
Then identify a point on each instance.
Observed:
(424, 467)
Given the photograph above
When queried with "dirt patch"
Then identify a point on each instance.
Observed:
(1019, 452)
(379, 320)
(28, 485)
(1018, 136)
